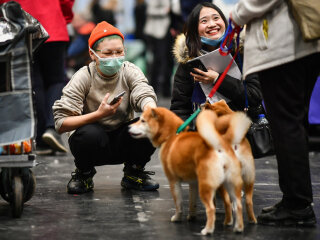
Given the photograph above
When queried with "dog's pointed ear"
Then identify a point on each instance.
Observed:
(154, 113)
(207, 105)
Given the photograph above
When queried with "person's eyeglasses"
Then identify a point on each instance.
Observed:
(110, 53)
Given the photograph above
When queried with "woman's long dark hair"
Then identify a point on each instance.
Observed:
(190, 29)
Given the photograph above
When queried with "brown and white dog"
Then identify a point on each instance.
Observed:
(242, 151)
(205, 159)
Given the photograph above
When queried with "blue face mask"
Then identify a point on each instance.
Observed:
(212, 42)
(109, 66)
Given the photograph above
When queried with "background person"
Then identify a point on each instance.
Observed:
(48, 75)
(288, 68)
(99, 131)
(159, 41)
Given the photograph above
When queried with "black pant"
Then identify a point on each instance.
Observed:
(92, 146)
(287, 90)
(48, 82)
(162, 64)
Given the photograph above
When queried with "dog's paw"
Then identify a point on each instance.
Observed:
(238, 229)
(176, 218)
(228, 222)
(206, 231)
(253, 221)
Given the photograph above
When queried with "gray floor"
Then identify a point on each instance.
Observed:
(113, 213)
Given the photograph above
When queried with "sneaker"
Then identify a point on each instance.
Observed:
(53, 139)
(138, 179)
(271, 208)
(285, 217)
(80, 182)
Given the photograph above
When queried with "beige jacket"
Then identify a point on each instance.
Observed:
(84, 93)
(272, 36)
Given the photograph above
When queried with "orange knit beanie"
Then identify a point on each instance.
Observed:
(103, 29)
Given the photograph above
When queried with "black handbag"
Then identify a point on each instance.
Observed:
(260, 139)
(259, 133)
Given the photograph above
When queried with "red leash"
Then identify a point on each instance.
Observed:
(224, 51)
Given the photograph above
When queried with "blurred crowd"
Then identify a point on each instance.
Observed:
(149, 26)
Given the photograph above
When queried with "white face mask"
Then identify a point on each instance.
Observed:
(212, 42)
(109, 66)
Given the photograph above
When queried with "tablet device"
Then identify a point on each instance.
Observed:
(196, 63)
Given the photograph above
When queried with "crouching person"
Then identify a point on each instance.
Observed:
(97, 128)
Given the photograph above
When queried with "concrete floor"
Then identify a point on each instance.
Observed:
(113, 213)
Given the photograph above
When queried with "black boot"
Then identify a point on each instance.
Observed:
(283, 216)
(81, 182)
(137, 178)
(272, 208)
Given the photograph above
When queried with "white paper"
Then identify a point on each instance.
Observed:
(215, 61)
(206, 88)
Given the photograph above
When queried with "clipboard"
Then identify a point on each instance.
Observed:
(215, 61)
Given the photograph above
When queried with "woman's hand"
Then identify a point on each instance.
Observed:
(205, 77)
(233, 22)
(105, 109)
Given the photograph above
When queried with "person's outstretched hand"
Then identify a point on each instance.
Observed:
(233, 22)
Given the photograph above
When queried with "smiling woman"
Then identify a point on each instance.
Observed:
(203, 33)
(211, 27)
(206, 20)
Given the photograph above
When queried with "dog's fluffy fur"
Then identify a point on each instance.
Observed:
(205, 159)
(242, 151)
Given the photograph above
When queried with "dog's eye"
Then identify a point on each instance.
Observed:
(142, 120)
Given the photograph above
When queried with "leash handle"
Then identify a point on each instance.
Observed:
(227, 42)
(224, 50)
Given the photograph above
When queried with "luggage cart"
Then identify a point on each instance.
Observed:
(20, 35)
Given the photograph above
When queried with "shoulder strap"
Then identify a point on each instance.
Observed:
(90, 77)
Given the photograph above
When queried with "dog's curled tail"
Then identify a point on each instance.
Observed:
(238, 128)
(206, 127)
(235, 126)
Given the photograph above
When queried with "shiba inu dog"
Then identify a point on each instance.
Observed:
(205, 159)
